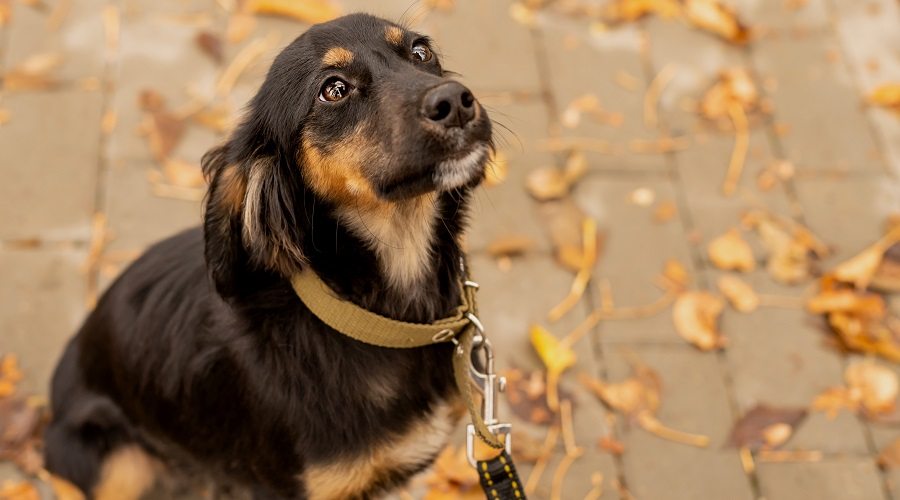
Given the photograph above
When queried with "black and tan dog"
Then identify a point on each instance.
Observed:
(355, 159)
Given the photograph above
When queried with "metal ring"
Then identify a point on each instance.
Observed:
(444, 335)
(475, 321)
(472, 284)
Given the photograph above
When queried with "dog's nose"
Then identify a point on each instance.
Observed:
(449, 104)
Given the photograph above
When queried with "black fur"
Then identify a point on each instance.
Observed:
(201, 352)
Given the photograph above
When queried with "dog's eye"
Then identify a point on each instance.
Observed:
(334, 89)
(421, 52)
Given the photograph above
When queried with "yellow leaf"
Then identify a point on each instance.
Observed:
(860, 269)
(712, 16)
(695, 315)
(555, 356)
(887, 95)
(731, 252)
(307, 11)
(741, 295)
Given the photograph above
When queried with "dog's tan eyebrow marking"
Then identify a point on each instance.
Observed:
(393, 35)
(337, 56)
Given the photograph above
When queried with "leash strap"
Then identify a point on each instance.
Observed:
(499, 478)
(365, 326)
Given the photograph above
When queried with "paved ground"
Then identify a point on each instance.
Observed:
(64, 160)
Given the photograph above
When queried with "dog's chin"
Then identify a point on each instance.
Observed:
(453, 173)
(464, 170)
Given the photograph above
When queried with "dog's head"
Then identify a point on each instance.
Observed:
(357, 113)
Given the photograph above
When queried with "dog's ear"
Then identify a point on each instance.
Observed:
(252, 221)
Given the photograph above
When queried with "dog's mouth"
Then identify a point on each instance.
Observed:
(451, 173)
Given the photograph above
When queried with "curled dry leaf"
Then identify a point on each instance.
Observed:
(790, 250)
(496, 169)
(868, 335)
(740, 295)
(886, 95)
(34, 73)
(733, 87)
(307, 11)
(765, 427)
(861, 269)
(552, 183)
(731, 252)
(696, 315)
(712, 16)
(564, 221)
(847, 300)
(887, 276)
(452, 477)
(869, 386)
(510, 245)
(638, 397)
(557, 356)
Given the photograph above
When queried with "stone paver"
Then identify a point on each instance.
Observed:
(814, 61)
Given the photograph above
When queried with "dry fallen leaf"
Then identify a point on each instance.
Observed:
(510, 245)
(10, 375)
(632, 10)
(861, 269)
(712, 16)
(557, 358)
(696, 314)
(526, 394)
(34, 73)
(790, 249)
(740, 295)
(765, 427)
(552, 183)
(564, 221)
(734, 86)
(869, 387)
(886, 95)
(211, 45)
(583, 277)
(638, 397)
(731, 252)
(307, 11)
(847, 300)
(163, 129)
(887, 276)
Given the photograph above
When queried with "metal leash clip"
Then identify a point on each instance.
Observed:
(488, 384)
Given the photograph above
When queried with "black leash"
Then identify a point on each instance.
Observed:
(499, 478)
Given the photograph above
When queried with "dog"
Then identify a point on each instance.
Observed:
(355, 159)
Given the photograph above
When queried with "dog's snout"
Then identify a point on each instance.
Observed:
(449, 104)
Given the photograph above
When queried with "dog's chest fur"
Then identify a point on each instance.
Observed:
(353, 477)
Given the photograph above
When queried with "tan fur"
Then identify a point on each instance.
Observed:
(253, 199)
(393, 35)
(337, 56)
(401, 236)
(232, 188)
(284, 253)
(127, 473)
(400, 233)
(349, 478)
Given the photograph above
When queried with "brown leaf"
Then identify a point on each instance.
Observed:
(564, 221)
(527, 396)
(20, 422)
(712, 16)
(887, 276)
(696, 315)
(731, 252)
(868, 335)
(637, 393)
(307, 11)
(547, 183)
(211, 45)
(164, 130)
(741, 295)
(765, 427)
(632, 10)
(789, 258)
